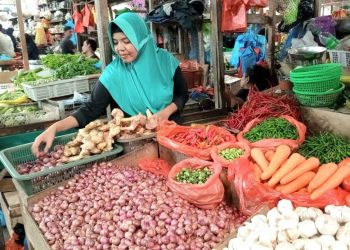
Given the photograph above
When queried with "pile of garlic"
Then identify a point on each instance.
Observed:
(286, 228)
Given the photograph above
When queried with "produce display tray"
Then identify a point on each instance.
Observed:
(60, 88)
(45, 114)
(36, 182)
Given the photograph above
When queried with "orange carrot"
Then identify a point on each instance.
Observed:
(279, 188)
(308, 165)
(291, 163)
(257, 172)
(259, 157)
(298, 183)
(324, 172)
(269, 155)
(281, 155)
(303, 190)
(334, 181)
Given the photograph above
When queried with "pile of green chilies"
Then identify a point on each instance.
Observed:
(197, 176)
(231, 154)
(327, 147)
(272, 128)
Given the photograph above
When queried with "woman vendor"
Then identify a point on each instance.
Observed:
(141, 77)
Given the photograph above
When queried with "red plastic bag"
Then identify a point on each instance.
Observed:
(78, 21)
(214, 152)
(234, 16)
(272, 144)
(253, 195)
(167, 132)
(155, 166)
(258, 3)
(88, 18)
(205, 196)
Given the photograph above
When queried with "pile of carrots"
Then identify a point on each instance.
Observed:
(289, 172)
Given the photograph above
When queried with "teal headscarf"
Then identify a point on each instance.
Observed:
(147, 82)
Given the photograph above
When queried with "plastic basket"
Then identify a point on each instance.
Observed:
(56, 89)
(324, 99)
(47, 113)
(340, 56)
(36, 182)
(318, 86)
(130, 145)
(68, 106)
(320, 71)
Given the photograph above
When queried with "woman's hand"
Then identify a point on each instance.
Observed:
(164, 114)
(46, 137)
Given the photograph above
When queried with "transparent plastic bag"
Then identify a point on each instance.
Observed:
(272, 144)
(205, 196)
(214, 152)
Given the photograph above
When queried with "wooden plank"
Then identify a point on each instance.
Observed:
(257, 19)
(271, 34)
(217, 57)
(10, 220)
(22, 35)
(6, 185)
(102, 19)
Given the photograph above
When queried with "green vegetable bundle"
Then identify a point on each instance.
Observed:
(231, 154)
(198, 176)
(327, 147)
(13, 109)
(272, 128)
(68, 66)
(12, 95)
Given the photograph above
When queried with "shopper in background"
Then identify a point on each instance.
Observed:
(89, 48)
(259, 76)
(142, 76)
(6, 45)
(33, 51)
(67, 45)
(9, 32)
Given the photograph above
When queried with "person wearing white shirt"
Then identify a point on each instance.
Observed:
(6, 45)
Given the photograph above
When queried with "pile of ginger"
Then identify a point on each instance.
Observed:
(98, 137)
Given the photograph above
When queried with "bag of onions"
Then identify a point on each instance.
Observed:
(269, 133)
(198, 182)
(228, 152)
(193, 141)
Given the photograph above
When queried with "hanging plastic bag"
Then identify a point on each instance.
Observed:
(155, 166)
(88, 18)
(248, 39)
(234, 16)
(40, 36)
(193, 142)
(214, 152)
(205, 196)
(248, 58)
(258, 3)
(253, 195)
(78, 21)
(272, 144)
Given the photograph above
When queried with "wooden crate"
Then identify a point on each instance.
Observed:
(10, 206)
(6, 185)
(149, 151)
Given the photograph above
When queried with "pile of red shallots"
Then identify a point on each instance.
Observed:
(120, 207)
(46, 161)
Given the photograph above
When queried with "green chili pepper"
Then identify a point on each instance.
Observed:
(272, 128)
(197, 176)
(231, 154)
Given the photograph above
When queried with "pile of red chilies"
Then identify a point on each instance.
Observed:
(262, 105)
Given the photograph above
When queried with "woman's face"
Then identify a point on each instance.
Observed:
(85, 48)
(124, 47)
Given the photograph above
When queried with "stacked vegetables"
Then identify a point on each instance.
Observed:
(120, 207)
(202, 137)
(327, 147)
(272, 128)
(196, 176)
(289, 173)
(31, 77)
(13, 97)
(68, 66)
(285, 228)
(263, 105)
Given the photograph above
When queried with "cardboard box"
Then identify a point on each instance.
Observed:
(7, 76)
